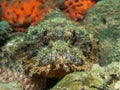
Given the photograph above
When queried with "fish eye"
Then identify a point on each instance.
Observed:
(73, 39)
(46, 39)
(45, 33)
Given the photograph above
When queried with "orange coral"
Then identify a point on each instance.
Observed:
(22, 13)
(75, 9)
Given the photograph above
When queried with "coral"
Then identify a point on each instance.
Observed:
(22, 13)
(76, 9)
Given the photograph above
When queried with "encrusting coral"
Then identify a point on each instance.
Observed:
(22, 13)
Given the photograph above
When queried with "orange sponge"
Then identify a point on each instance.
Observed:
(75, 9)
(22, 13)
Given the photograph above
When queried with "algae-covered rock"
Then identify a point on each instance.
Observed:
(16, 41)
(99, 78)
(80, 81)
(105, 18)
(10, 86)
(4, 29)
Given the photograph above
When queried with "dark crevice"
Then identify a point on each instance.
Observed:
(51, 82)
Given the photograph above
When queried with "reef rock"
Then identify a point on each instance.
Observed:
(98, 78)
(4, 29)
(105, 18)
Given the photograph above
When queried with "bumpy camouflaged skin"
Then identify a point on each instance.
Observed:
(58, 41)
(54, 47)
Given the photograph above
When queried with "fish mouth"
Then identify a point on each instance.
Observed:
(58, 60)
(59, 64)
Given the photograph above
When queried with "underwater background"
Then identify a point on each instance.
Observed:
(59, 45)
